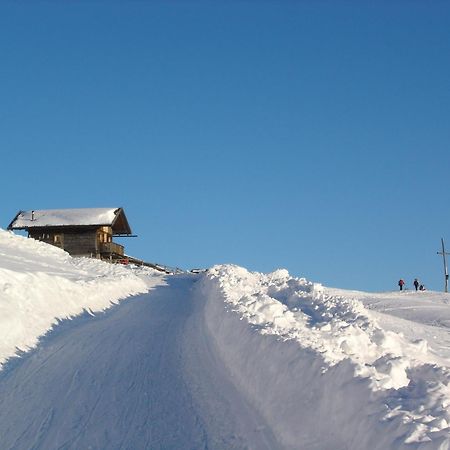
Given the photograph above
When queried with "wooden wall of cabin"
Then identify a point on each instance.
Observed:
(81, 242)
(75, 242)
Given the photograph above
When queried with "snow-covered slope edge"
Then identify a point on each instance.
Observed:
(325, 374)
(41, 284)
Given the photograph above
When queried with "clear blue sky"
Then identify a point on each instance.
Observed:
(308, 135)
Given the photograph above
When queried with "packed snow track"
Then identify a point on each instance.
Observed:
(142, 375)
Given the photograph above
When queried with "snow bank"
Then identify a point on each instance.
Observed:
(41, 284)
(320, 367)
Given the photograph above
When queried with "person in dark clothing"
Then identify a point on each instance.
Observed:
(401, 283)
(416, 283)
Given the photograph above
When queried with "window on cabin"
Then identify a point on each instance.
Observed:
(57, 239)
(104, 237)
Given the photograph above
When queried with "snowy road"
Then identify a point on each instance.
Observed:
(143, 375)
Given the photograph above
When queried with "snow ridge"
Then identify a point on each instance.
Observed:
(410, 385)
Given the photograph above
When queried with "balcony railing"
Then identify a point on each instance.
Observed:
(111, 248)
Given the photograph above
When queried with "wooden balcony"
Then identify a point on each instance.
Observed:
(111, 248)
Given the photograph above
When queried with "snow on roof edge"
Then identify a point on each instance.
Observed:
(66, 217)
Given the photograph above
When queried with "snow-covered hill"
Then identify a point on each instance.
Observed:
(258, 361)
(41, 284)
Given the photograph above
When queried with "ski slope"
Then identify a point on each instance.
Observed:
(123, 357)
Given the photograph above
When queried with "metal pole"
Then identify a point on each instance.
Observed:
(445, 266)
(443, 253)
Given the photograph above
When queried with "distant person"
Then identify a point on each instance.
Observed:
(421, 287)
(401, 283)
(416, 283)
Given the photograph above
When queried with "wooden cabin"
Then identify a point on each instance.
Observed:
(80, 232)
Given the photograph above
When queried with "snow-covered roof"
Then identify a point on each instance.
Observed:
(81, 217)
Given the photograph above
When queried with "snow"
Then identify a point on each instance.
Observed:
(226, 358)
(64, 217)
(41, 285)
(118, 380)
(368, 368)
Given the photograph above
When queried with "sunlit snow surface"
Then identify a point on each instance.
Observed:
(395, 343)
(40, 285)
(318, 368)
(62, 217)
